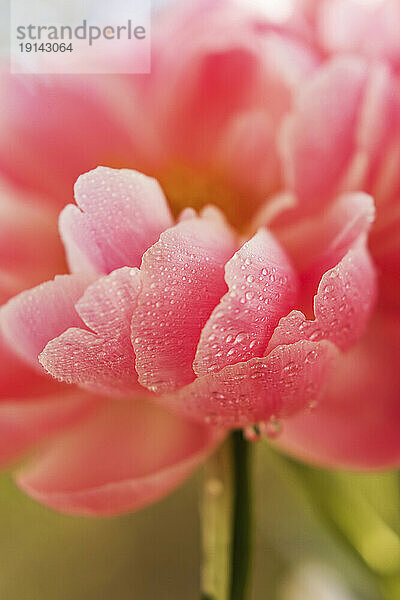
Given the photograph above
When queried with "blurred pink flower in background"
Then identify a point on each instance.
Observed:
(284, 128)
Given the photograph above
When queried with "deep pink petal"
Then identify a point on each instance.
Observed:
(182, 280)
(28, 321)
(385, 248)
(342, 307)
(287, 380)
(356, 424)
(24, 423)
(262, 288)
(103, 360)
(121, 214)
(129, 455)
(20, 380)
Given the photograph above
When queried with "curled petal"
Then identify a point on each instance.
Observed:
(28, 321)
(129, 455)
(319, 242)
(262, 288)
(288, 379)
(121, 213)
(342, 307)
(182, 280)
(103, 360)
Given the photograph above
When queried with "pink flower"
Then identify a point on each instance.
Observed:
(203, 327)
(177, 331)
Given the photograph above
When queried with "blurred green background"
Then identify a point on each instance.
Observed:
(319, 536)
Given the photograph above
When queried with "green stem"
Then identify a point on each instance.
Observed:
(226, 520)
(242, 527)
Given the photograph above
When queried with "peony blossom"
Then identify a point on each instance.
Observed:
(273, 310)
(183, 315)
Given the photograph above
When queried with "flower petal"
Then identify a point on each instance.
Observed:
(23, 261)
(19, 380)
(262, 288)
(356, 423)
(319, 137)
(182, 281)
(28, 321)
(54, 128)
(342, 306)
(317, 243)
(129, 455)
(355, 27)
(286, 380)
(248, 155)
(24, 423)
(103, 360)
(122, 214)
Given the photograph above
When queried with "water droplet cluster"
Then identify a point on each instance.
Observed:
(261, 290)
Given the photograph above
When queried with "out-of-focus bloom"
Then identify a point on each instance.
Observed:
(263, 122)
(204, 122)
(352, 27)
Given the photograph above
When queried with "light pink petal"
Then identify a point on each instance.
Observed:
(121, 214)
(319, 138)
(129, 455)
(356, 424)
(286, 380)
(342, 25)
(327, 150)
(348, 26)
(24, 423)
(182, 281)
(103, 360)
(342, 307)
(35, 316)
(379, 121)
(262, 288)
